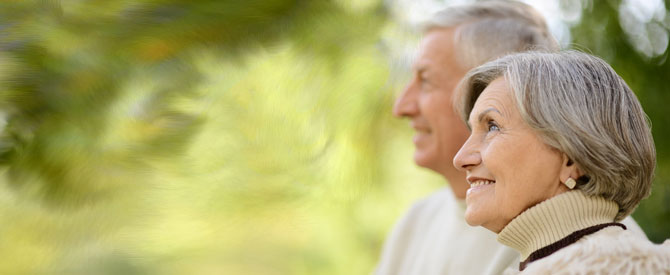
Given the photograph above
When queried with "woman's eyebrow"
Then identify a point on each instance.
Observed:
(483, 113)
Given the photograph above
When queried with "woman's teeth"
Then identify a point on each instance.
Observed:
(481, 182)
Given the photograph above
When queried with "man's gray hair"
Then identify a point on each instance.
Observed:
(579, 105)
(491, 29)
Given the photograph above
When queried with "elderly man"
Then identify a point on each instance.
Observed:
(432, 237)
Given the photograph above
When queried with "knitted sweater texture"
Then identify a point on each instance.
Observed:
(611, 250)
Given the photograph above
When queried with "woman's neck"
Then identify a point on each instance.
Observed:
(554, 219)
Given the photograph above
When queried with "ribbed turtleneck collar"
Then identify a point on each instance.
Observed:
(554, 219)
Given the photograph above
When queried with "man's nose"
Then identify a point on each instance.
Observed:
(406, 104)
(468, 156)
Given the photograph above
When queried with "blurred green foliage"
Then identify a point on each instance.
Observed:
(222, 137)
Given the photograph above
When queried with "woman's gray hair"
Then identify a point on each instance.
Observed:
(490, 29)
(579, 105)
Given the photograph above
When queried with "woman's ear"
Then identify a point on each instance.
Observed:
(569, 170)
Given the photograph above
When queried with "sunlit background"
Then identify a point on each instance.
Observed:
(243, 137)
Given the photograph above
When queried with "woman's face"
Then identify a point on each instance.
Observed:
(509, 168)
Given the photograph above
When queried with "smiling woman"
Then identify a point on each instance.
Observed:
(499, 138)
(559, 152)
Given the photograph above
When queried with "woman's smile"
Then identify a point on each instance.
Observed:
(479, 185)
(509, 167)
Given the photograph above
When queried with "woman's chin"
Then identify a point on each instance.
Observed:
(475, 218)
(471, 218)
(474, 222)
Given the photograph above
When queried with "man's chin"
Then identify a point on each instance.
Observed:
(425, 160)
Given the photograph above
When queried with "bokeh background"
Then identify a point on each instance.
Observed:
(243, 136)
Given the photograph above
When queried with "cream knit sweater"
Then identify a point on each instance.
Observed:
(611, 250)
(433, 239)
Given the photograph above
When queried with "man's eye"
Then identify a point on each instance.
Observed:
(492, 126)
(423, 81)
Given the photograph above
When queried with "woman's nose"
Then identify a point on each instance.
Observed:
(468, 156)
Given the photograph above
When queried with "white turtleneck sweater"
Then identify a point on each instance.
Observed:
(611, 250)
(433, 238)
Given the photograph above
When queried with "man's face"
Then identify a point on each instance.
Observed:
(427, 102)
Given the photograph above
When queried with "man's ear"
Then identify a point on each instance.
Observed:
(569, 169)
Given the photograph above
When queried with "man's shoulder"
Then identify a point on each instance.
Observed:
(427, 207)
(433, 238)
(440, 197)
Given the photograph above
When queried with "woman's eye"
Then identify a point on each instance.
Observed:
(492, 126)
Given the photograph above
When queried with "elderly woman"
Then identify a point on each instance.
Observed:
(559, 152)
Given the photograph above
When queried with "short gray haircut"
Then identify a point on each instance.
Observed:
(491, 29)
(579, 105)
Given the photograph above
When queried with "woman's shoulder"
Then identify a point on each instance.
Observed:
(611, 249)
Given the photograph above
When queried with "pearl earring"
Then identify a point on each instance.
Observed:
(570, 183)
